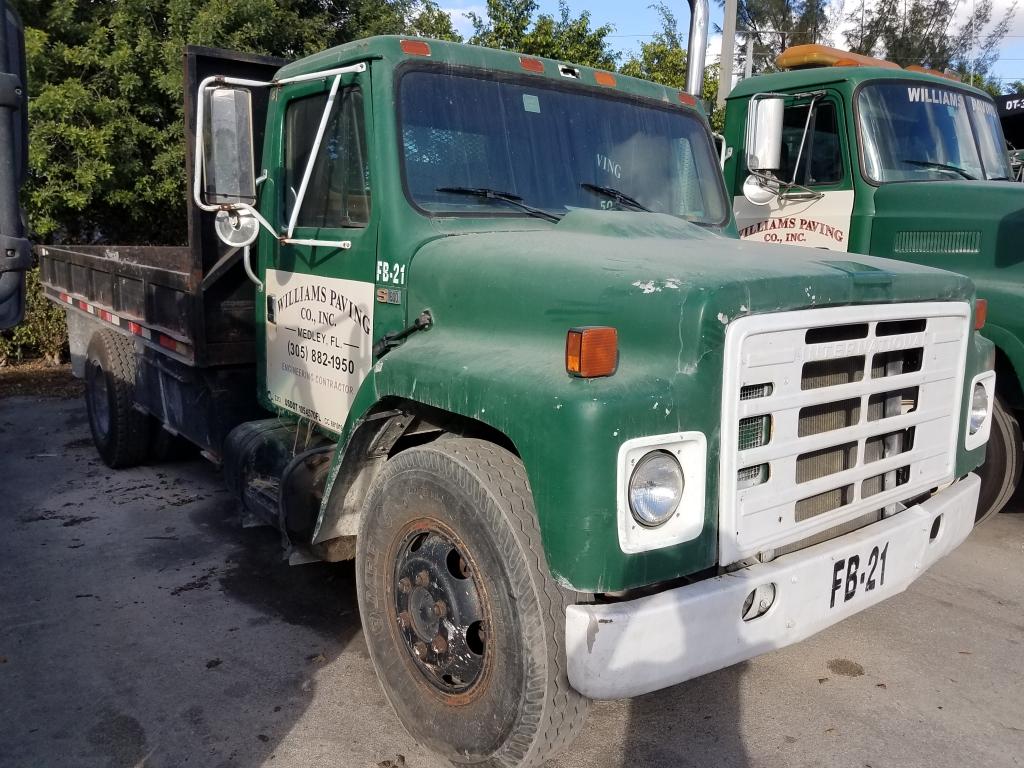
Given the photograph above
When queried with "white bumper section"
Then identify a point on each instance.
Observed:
(636, 646)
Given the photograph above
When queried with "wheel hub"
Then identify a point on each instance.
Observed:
(440, 611)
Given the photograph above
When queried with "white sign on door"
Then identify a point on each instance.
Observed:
(822, 222)
(319, 342)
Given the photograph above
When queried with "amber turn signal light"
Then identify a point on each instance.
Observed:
(591, 352)
(980, 313)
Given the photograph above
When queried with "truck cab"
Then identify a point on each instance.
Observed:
(864, 157)
(508, 354)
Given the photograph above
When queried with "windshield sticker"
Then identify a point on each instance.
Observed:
(531, 103)
(936, 96)
(318, 344)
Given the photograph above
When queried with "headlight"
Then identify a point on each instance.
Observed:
(655, 488)
(979, 408)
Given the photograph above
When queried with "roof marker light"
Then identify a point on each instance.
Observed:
(531, 65)
(605, 78)
(415, 47)
(688, 99)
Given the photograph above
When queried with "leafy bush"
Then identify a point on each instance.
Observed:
(43, 333)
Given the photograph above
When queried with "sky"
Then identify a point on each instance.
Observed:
(635, 22)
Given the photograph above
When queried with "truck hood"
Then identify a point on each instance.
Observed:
(974, 216)
(639, 271)
(970, 226)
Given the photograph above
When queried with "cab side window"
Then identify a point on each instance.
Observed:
(822, 159)
(338, 193)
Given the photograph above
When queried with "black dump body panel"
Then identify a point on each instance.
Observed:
(190, 308)
(192, 303)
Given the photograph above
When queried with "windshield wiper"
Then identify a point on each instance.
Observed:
(941, 166)
(619, 197)
(505, 197)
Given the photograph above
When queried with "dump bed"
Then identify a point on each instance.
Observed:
(191, 302)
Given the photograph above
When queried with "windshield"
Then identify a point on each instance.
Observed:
(551, 148)
(915, 132)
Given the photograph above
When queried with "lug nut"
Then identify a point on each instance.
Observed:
(404, 620)
(423, 579)
(420, 648)
(404, 585)
(440, 609)
(439, 644)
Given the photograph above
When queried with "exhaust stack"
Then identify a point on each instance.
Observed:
(696, 47)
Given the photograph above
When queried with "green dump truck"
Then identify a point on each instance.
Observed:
(861, 156)
(449, 311)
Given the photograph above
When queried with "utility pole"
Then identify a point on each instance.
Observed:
(725, 60)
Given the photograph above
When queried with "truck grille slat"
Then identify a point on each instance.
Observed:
(831, 415)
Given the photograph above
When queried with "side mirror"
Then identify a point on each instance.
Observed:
(764, 133)
(763, 147)
(228, 167)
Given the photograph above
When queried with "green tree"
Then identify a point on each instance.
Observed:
(925, 32)
(663, 60)
(565, 37)
(107, 152)
(779, 24)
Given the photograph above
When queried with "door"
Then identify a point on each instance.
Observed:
(15, 251)
(816, 211)
(319, 273)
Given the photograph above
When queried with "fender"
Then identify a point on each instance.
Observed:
(1010, 345)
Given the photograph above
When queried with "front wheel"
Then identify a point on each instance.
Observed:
(464, 624)
(1004, 459)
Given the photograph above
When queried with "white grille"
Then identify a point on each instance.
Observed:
(831, 414)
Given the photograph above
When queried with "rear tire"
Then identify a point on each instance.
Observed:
(464, 624)
(1004, 460)
(119, 431)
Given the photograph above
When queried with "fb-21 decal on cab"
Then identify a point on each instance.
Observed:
(318, 344)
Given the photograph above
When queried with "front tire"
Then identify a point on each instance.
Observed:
(119, 431)
(464, 624)
(1004, 460)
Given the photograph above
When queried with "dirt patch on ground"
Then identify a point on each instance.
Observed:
(38, 379)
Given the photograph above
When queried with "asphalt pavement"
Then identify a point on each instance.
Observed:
(141, 625)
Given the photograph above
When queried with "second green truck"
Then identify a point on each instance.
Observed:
(860, 156)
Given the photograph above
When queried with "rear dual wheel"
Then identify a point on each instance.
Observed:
(120, 432)
(464, 624)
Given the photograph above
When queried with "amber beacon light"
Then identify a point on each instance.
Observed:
(591, 352)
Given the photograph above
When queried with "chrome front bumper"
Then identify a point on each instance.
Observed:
(617, 650)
